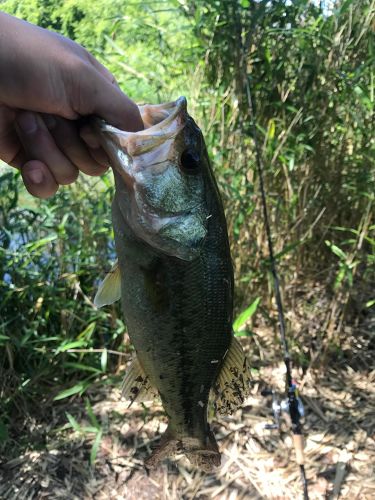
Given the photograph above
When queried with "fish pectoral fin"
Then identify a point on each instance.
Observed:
(136, 385)
(109, 290)
(232, 385)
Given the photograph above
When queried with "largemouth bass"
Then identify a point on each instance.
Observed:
(175, 278)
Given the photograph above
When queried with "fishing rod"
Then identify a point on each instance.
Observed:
(292, 405)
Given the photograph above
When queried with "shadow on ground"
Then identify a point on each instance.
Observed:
(53, 444)
(256, 463)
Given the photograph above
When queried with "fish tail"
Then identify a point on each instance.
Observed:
(204, 456)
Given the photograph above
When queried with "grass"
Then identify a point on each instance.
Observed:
(311, 76)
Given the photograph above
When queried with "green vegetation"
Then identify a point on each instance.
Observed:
(310, 74)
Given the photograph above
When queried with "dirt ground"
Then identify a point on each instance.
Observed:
(257, 463)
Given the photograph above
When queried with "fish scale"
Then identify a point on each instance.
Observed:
(176, 277)
(185, 335)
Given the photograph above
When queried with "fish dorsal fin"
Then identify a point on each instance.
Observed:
(136, 385)
(232, 385)
(109, 290)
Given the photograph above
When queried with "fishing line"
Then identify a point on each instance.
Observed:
(294, 404)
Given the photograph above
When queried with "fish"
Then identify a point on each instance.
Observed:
(174, 276)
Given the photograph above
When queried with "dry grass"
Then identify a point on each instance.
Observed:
(256, 463)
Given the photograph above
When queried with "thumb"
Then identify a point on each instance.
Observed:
(101, 97)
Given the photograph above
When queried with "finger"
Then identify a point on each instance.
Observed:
(100, 97)
(101, 157)
(66, 136)
(88, 135)
(103, 70)
(40, 145)
(10, 145)
(91, 138)
(11, 150)
(38, 179)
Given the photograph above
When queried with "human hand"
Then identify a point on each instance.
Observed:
(47, 83)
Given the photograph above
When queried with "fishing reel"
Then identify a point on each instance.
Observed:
(289, 405)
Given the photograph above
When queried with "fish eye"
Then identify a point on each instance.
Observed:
(189, 161)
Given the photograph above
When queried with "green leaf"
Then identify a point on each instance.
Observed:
(370, 240)
(88, 331)
(34, 245)
(71, 345)
(91, 415)
(336, 250)
(80, 366)
(95, 447)
(89, 429)
(271, 129)
(340, 277)
(246, 315)
(73, 422)
(288, 248)
(79, 388)
(345, 6)
(291, 163)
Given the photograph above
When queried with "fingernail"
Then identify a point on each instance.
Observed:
(34, 175)
(27, 122)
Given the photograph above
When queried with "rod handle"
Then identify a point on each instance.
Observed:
(299, 446)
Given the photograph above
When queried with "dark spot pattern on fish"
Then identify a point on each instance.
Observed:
(177, 277)
(154, 282)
